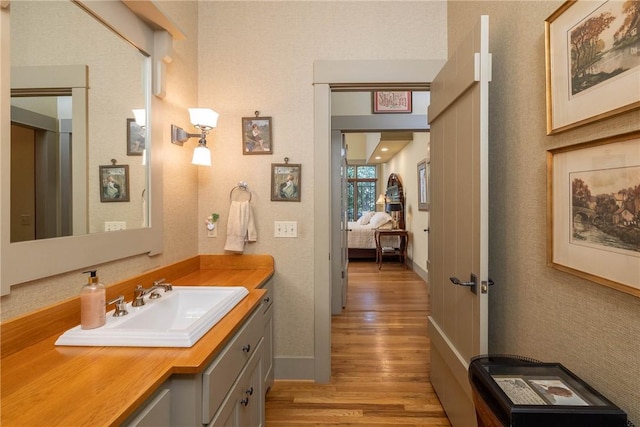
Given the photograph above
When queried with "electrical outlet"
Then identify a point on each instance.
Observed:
(285, 229)
(212, 233)
(115, 225)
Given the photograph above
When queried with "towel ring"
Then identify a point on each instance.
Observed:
(242, 187)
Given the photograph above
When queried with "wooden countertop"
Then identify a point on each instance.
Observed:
(43, 384)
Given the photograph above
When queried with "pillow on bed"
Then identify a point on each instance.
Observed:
(365, 218)
(379, 219)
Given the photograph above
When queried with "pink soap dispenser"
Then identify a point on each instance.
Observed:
(92, 303)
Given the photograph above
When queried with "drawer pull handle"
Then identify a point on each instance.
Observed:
(267, 299)
(249, 391)
(245, 401)
(246, 348)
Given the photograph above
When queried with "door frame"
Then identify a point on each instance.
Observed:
(327, 75)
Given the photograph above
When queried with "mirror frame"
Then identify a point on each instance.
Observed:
(25, 261)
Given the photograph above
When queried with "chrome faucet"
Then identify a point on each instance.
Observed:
(121, 306)
(139, 292)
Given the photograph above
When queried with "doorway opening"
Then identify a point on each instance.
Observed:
(332, 76)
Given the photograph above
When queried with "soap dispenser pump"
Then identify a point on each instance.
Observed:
(92, 303)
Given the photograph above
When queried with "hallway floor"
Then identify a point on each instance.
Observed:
(380, 360)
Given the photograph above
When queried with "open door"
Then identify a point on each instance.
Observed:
(339, 245)
(458, 239)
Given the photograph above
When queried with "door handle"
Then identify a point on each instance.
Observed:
(472, 284)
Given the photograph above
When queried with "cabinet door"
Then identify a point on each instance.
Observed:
(244, 404)
(251, 401)
(155, 413)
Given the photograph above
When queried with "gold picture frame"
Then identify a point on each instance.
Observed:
(590, 75)
(593, 215)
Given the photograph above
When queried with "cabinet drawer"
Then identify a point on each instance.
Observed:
(218, 378)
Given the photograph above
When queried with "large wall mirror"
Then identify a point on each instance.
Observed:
(75, 162)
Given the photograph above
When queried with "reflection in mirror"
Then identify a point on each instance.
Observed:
(56, 186)
(41, 135)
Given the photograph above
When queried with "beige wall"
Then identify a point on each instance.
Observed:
(537, 311)
(405, 164)
(259, 56)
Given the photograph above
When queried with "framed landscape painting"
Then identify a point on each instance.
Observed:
(594, 211)
(592, 62)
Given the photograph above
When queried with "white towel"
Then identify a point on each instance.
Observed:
(240, 226)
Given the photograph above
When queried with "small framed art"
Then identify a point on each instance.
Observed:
(423, 186)
(256, 135)
(114, 183)
(135, 138)
(392, 101)
(285, 182)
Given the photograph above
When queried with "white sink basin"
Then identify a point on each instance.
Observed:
(178, 319)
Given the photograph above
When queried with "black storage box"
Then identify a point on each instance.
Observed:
(525, 393)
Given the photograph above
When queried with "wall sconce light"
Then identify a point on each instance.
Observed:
(204, 119)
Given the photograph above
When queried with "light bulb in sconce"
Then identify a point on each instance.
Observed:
(203, 119)
(140, 116)
(201, 155)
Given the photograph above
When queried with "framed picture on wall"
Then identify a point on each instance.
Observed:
(285, 182)
(135, 138)
(594, 212)
(392, 101)
(114, 183)
(423, 186)
(256, 135)
(592, 65)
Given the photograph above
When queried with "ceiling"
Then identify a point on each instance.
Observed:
(375, 148)
(391, 143)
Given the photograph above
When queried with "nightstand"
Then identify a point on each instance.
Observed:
(398, 250)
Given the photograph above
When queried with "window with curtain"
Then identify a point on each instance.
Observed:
(361, 190)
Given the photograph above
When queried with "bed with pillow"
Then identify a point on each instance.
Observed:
(361, 235)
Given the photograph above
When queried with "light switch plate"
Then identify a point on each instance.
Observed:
(115, 225)
(285, 229)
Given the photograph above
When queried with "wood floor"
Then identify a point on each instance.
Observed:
(380, 360)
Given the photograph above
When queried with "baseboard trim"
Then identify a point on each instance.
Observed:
(294, 368)
(420, 271)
